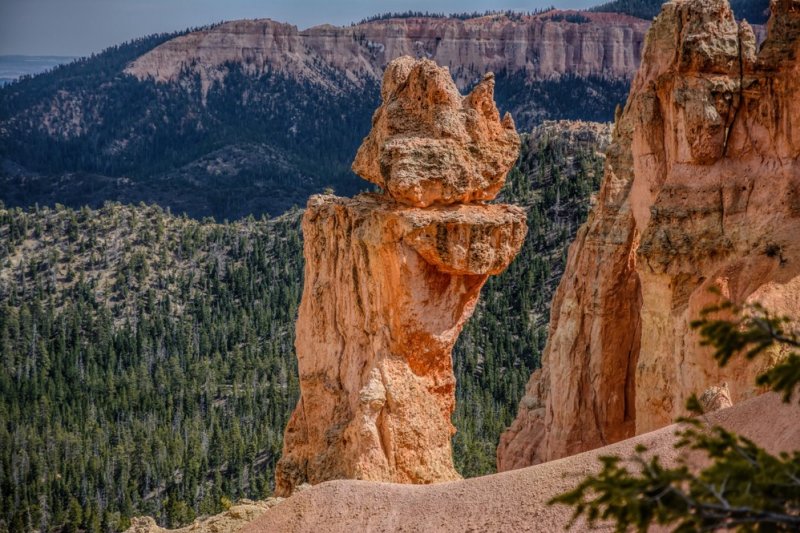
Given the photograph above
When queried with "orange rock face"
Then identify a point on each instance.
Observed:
(387, 290)
(702, 189)
(440, 149)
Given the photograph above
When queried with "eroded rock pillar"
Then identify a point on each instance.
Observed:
(390, 280)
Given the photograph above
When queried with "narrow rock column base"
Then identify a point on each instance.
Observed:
(387, 291)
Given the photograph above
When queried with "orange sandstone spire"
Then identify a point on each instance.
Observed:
(390, 280)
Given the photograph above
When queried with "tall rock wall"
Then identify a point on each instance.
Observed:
(702, 189)
(541, 47)
(390, 280)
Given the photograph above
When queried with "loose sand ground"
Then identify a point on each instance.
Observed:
(510, 501)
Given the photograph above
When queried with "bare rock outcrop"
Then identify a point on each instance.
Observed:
(715, 398)
(539, 47)
(232, 520)
(440, 149)
(702, 189)
(388, 287)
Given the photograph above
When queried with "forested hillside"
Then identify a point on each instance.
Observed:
(248, 141)
(147, 364)
(87, 133)
(755, 11)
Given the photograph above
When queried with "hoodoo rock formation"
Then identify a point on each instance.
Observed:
(701, 190)
(390, 280)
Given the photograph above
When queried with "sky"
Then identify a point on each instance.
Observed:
(80, 27)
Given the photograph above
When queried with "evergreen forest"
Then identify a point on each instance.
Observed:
(147, 364)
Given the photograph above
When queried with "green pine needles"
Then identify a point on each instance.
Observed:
(751, 332)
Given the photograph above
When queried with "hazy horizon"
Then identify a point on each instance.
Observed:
(78, 28)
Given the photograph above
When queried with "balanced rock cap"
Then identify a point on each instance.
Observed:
(431, 145)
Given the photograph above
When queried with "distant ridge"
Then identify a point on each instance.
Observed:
(253, 116)
(755, 11)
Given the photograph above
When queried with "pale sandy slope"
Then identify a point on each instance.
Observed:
(511, 501)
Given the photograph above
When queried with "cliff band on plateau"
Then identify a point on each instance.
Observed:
(539, 46)
(701, 190)
(390, 280)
